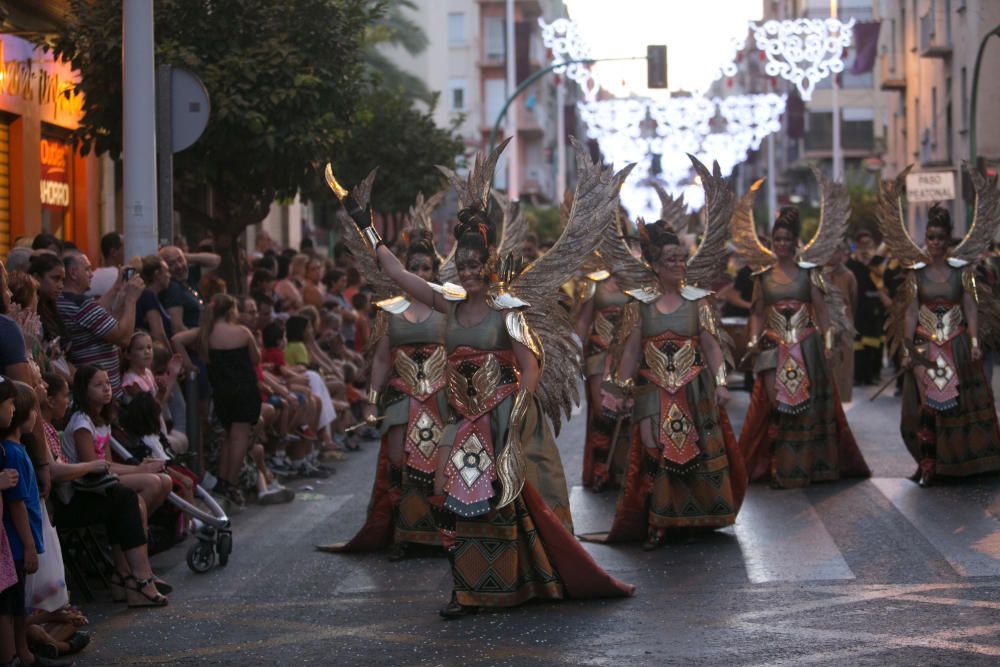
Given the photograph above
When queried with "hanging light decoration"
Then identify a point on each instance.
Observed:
(563, 39)
(804, 51)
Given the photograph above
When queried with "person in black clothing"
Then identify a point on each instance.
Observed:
(869, 315)
(736, 300)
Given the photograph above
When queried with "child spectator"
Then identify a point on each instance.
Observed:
(139, 361)
(22, 521)
(88, 432)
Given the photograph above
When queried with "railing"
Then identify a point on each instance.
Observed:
(935, 42)
(891, 74)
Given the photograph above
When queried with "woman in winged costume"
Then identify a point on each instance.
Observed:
(597, 321)
(795, 431)
(939, 317)
(510, 356)
(684, 468)
(407, 388)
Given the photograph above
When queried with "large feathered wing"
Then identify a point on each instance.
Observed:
(744, 232)
(834, 211)
(986, 216)
(672, 210)
(709, 261)
(367, 265)
(892, 221)
(515, 226)
(591, 217)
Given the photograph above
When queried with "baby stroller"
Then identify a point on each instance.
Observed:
(213, 538)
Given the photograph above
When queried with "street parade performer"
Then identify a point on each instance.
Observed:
(606, 446)
(939, 320)
(795, 431)
(511, 360)
(684, 467)
(407, 388)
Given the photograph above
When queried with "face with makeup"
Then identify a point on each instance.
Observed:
(783, 242)
(936, 241)
(672, 264)
(469, 264)
(421, 265)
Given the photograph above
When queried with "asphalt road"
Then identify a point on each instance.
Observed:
(872, 572)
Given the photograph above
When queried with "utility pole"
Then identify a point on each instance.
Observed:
(838, 154)
(139, 129)
(513, 157)
(560, 139)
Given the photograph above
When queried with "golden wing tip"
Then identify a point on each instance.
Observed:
(756, 184)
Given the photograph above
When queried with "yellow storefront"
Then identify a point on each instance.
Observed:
(45, 185)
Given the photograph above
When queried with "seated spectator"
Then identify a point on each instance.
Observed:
(93, 332)
(362, 325)
(181, 297)
(288, 291)
(19, 259)
(116, 506)
(49, 272)
(312, 292)
(88, 434)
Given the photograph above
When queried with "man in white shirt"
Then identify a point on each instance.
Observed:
(112, 258)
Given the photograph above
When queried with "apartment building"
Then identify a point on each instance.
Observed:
(928, 58)
(466, 60)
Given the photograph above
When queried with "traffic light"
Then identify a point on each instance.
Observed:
(656, 66)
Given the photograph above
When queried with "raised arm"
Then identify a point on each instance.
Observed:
(414, 285)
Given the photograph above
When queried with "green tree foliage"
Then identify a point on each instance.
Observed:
(397, 30)
(284, 79)
(405, 144)
(544, 222)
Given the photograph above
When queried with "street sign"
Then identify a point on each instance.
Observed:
(189, 108)
(930, 186)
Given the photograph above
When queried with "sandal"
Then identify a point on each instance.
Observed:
(78, 642)
(162, 586)
(137, 598)
(119, 586)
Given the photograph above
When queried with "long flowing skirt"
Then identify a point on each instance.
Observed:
(710, 495)
(814, 445)
(966, 437)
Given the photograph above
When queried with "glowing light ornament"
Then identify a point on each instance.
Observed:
(563, 39)
(729, 66)
(804, 51)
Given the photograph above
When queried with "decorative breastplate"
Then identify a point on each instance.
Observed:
(789, 321)
(671, 361)
(419, 370)
(604, 327)
(939, 321)
(478, 381)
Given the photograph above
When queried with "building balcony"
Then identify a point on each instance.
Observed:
(892, 74)
(935, 40)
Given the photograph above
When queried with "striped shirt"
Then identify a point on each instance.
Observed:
(87, 324)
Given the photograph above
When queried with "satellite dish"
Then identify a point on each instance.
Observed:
(189, 108)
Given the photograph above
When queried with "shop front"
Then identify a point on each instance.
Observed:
(45, 184)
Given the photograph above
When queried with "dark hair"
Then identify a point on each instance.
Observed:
(475, 231)
(283, 263)
(42, 263)
(359, 301)
(353, 276)
(7, 389)
(259, 277)
(939, 217)
(56, 383)
(862, 234)
(265, 262)
(306, 243)
(788, 219)
(262, 299)
(295, 331)
(340, 249)
(25, 401)
(142, 415)
(422, 243)
(109, 242)
(654, 236)
(332, 276)
(81, 382)
(46, 241)
(272, 334)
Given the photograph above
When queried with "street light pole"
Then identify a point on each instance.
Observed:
(138, 129)
(838, 154)
(975, 93)
(513, 163)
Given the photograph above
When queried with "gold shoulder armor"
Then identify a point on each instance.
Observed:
(969, 282)
(517, 327)
(708, 320)
(510, 463)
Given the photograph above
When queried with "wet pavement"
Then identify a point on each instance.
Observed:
(860, 572)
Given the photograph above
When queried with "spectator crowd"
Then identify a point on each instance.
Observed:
(123, 383)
